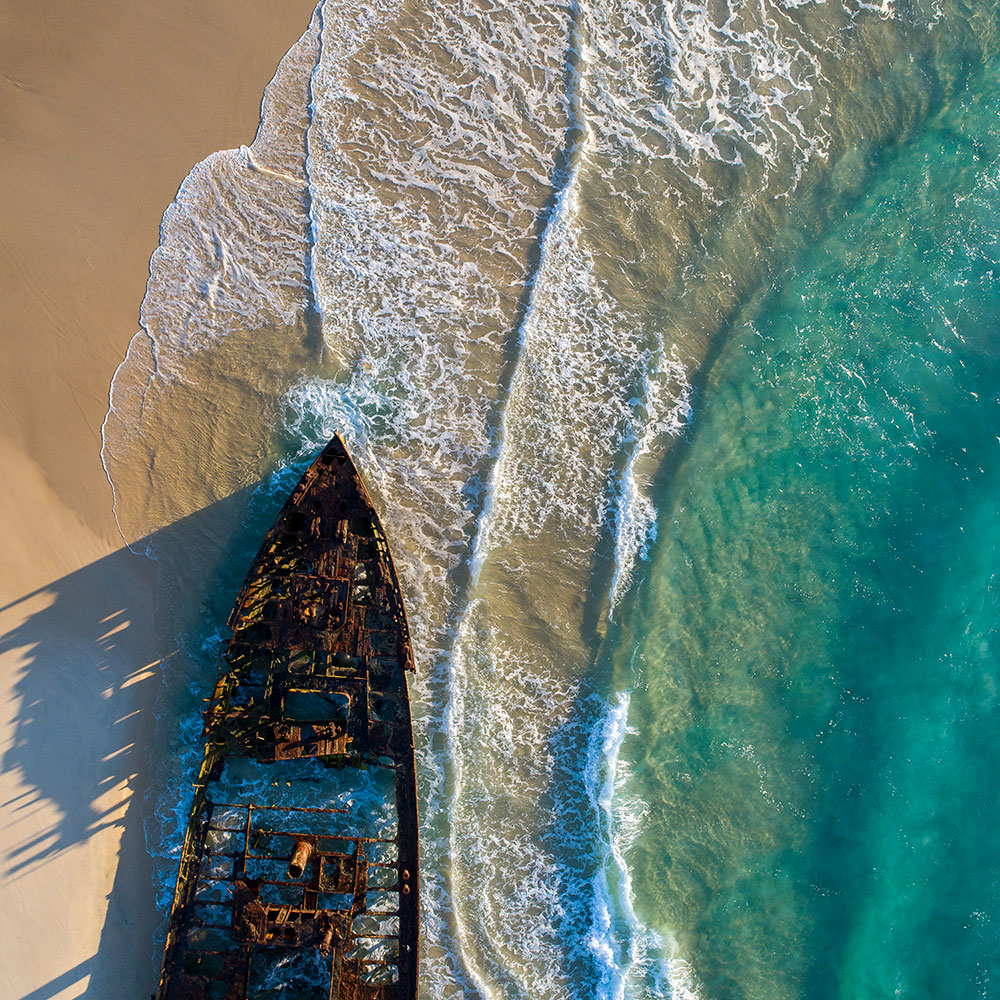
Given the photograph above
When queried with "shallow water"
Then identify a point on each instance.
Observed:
(662, 335)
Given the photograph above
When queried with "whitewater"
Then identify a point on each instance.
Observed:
(497, 248)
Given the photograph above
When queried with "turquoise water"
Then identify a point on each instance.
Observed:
(808, 785)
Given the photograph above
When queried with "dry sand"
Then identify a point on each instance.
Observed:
(106, 106)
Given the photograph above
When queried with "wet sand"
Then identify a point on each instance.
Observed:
(105, 109)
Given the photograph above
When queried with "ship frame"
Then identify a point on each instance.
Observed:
(316, 668)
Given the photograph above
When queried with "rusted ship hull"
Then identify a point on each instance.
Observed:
(277, 898)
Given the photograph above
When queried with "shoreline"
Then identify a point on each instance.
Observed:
(107, 108)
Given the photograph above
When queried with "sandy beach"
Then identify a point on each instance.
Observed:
(105, 109)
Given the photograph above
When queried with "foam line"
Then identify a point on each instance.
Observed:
(563, 213)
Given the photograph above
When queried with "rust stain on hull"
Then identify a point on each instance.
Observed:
(269, 902)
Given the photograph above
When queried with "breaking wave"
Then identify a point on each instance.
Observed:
(628, 954)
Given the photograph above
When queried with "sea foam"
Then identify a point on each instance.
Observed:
(634, 960)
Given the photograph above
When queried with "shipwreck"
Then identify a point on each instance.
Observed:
(287, 889)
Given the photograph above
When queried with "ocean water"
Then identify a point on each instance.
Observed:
(662, 334)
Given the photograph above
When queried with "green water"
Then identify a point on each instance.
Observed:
(813, 654)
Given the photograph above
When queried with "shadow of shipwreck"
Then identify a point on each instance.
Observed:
(84, 690)
(95, 668)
